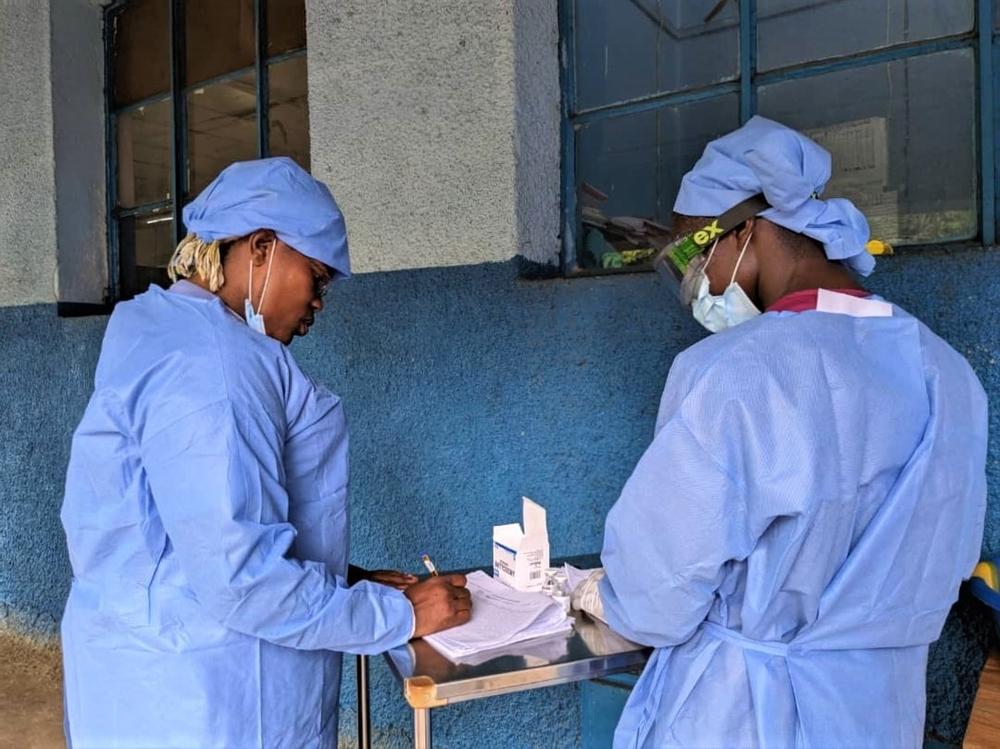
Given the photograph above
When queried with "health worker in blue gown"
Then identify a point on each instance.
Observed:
(792, 539)
(206, 497)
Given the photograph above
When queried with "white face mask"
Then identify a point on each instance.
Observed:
(728, 310)
(255, 319)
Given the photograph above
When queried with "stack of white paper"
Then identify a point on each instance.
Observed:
(500, 616)
(532, 653)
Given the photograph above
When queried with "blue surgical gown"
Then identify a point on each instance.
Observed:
(207, 522)
(793, 538)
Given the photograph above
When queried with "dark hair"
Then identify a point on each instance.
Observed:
(225, 246)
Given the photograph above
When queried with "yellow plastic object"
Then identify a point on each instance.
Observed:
(988, 572)
(631, 257)
(878, 247)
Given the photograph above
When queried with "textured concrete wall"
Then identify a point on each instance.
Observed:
(53, 241)
(536, 130)
(465, 388)
(78, 145)
(27, 181)
(437, 125)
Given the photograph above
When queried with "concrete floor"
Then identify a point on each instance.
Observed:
(30, 694)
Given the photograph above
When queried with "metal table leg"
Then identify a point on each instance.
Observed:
(364, 705)
(422, 728)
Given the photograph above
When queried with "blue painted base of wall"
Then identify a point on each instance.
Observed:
(601, 704)
(46, 377)
(466, 388)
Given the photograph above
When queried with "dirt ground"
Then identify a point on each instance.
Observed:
(984, 726)
(30, 695)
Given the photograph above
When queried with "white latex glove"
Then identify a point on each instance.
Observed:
(587, 596)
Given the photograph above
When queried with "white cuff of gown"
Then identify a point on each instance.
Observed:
(413, 618)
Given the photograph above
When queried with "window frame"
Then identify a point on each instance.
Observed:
(982, 39)
(177, 94)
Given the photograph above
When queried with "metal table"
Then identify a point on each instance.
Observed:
(429, 680)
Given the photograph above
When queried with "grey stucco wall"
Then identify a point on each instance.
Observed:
(53, 243)
(27, 179)
(414, 121)
(77, 61)
(536, 130)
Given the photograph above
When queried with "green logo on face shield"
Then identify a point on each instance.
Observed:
(703, 236)
(682, 253)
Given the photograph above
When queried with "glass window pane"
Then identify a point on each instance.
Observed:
(288, 112)
(145, 245)
(219, 39)
(634, 48)
(630, 169)
(143, 136)
(794, 31)
(903, 140)
(140, 50)
(222, 128)
(286, 25)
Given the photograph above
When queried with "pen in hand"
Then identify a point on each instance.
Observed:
(429, 564)
(439, 602)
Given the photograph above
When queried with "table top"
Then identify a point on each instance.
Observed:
(590, 651)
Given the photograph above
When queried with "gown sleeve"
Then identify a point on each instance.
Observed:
(678, 521)
(215, 477)
(316, 479)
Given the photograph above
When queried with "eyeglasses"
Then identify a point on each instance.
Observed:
(322, 279)
(321, 285)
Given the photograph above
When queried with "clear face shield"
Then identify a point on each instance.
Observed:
(678, 263)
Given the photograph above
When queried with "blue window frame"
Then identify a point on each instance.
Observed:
(900, 91)
(192, 85)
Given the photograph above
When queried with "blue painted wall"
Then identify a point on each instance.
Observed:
(465, 388)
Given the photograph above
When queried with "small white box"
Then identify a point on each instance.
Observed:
(520, 557)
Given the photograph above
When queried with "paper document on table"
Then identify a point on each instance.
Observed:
(500, 616)
(531, 653)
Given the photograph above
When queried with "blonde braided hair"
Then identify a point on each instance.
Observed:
(196, 257)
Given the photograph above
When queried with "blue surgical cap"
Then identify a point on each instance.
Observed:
(274, 194)
(767, 157)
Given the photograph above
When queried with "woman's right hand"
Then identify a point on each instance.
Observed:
(439, 602)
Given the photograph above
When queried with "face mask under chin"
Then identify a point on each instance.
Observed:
(726, 310)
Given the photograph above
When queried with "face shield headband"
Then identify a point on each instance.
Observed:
(678, 263)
